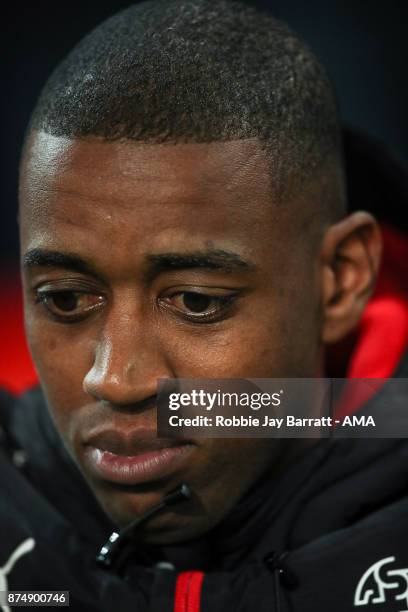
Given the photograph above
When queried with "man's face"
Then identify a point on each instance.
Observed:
(158, 261)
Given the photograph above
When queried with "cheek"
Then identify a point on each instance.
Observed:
(62, 359)
(228, 467)
(256, 346)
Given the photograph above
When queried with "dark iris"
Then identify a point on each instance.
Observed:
(65, 301)
(196, 302)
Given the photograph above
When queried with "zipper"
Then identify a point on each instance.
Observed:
(188, 592)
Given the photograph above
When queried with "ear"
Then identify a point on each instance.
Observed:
(350, 258)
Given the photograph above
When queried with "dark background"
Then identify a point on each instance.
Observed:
(363, 43)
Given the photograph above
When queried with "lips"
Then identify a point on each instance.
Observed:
(133, 458)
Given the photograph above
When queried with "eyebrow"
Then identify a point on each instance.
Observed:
(211, 259)
(56, 259)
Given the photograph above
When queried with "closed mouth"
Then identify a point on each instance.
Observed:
(131, 459)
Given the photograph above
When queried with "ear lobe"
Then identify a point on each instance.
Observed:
(350, 256)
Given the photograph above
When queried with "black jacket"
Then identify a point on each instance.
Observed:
(332, 534)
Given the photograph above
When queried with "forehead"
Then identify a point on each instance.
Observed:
(118, 165)
(138, 196)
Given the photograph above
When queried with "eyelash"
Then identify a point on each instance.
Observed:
(44, 298)
(224, 302)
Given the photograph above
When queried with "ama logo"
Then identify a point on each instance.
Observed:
(358, 421)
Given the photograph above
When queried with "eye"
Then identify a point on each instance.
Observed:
(198, 306)
(69, 305)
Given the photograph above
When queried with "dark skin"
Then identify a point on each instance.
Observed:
(153, 261)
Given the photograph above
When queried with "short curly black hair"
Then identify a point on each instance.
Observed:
(170, 71)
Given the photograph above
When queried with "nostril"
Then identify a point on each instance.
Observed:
(124, 375)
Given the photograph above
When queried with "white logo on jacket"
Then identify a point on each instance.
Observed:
(374, 589)
(21, 550)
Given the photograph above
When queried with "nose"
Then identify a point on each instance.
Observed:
(127, 361)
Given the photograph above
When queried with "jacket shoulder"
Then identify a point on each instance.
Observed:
(11, 409)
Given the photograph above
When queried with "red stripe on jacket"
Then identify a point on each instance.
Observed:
(188, 592)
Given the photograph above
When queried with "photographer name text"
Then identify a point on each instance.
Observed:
(267, 421)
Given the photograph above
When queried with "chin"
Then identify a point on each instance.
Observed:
(167, 527)
(167, 532)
